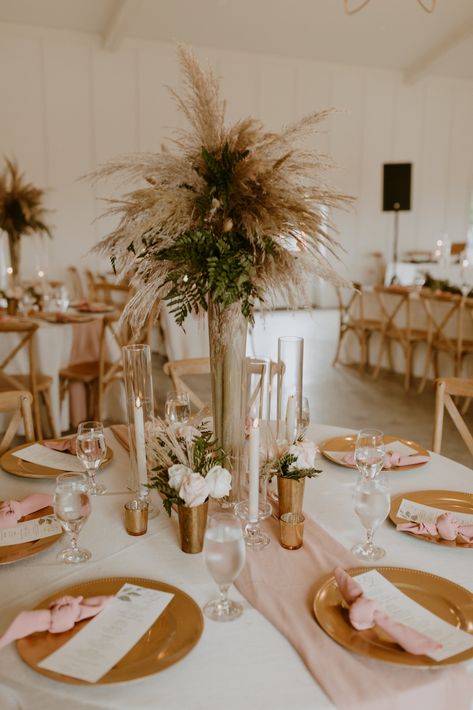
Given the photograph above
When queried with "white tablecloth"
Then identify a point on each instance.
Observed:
(246, 663)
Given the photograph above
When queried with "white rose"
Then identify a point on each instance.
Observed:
(306, 452)
(176, 474)
(219, 481)
(194, 490)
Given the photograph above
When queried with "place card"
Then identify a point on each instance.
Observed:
(30, 530)
(419, 513)
(96, 648)
(44, 456)
(404, 610)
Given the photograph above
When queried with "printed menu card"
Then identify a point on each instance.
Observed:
(30, 530)
(420, 513)
(44, 456)
(96, 648)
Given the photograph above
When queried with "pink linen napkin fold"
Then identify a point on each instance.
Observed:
(445, 527)
(391, 459)
(281, 585)
(69, 444)
(12, 510)
(364, 614)
(61, 616)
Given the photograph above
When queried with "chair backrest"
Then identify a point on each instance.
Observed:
(26, 331)
(113, 294)
(75, 284)
(395, 307)
(446, 314)
(19, 404)
(446, 387)
(349, 303)
(177, 369)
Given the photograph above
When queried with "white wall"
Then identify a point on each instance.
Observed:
(67, 105)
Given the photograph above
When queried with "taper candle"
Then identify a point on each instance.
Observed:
(291, 418)
(254, 472)
(140, 443)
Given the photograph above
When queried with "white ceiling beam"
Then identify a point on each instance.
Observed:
(421, 66)
(120, 22)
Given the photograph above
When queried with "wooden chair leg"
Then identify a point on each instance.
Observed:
(390, 355)
(380, 356)
(425, 375)
(46, 395)
(407, 366)
(37, 417)
(339, 345)
(438, 420)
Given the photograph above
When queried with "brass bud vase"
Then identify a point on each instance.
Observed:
(192, 524)
(290, 494)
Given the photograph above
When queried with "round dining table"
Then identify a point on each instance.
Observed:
(245, 663)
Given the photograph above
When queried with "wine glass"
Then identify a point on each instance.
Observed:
(372, 503)
(224, 554)
(178, 408)
(91, 451)
(370, 452)
(72, 508)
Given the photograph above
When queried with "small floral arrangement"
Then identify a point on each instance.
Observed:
(187, 463)
(294, 461)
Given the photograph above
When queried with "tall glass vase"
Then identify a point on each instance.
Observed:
(290, 368)
(140, 408)
(14, 245)
(227, 342)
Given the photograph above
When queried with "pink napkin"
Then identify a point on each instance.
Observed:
(281, 585)
(61, 616)
(391, 459)
(12, 510)
(69, 445)
(445, 527)
(364, 614)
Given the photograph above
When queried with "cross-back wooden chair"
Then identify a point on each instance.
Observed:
(395, 305)
(39, 385)
(256, 374)
(98, 375)
(177, 369)
(19, 405)
(75, 284)
(352, 319)
(446, 388)
(448, 314)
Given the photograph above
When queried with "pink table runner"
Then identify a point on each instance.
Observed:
(85, 348)
(281, 584)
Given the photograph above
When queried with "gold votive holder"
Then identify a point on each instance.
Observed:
(291, 527)
(136, 517)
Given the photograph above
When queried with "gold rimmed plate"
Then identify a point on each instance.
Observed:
(14, 553)
(345, 444)
(448, 501)
(449, 601)
(27, 469)
(174, 633)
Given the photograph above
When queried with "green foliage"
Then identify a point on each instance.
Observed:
(218, 175)
(442, 285)
(160, 482)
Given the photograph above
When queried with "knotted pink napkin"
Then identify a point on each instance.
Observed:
(391, 459)
(61, 616)
(69, 445)
(12, 510)
(445, 527)
(364, 614)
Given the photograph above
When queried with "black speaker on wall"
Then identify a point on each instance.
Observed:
(397, 187)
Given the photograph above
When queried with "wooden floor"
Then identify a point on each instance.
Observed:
(339, 395)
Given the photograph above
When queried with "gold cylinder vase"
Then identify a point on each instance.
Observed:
(192, 524)
(290, 494)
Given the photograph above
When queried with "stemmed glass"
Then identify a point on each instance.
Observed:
(91, 451)
(177, 408)
(369, 452)
(372, 503)
(224, 554)
(72, 508)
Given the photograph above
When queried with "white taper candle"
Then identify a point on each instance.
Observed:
(254, 472)
(140, 443)
(291, 417)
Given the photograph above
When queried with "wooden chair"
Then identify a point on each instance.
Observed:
(39, 385)
(395, 305)
(18, 404)
(448, 314)
(255, 374)
(177, 369)
(75, 284)
(380, 266)
(446, 387)
(98, 375)
(352, 319)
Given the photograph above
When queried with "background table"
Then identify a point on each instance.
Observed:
(242, 663)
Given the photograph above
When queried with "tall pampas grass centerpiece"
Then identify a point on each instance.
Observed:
(225, 216)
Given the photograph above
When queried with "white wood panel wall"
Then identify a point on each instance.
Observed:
(68, 105)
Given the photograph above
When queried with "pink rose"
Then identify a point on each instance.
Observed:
(194, 490)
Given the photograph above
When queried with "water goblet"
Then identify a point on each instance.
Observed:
(91, 451)
(369, 452)
(72, 508)
(177, 408)
(372, 503)
(224, 554)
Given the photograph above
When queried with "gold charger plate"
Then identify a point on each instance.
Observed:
(13, 553)
(447, 600)
(347, 443)
(26, 469)
(169, 639)
(452, 501)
